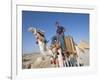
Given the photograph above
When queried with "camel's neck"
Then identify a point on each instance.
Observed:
(40, 43)
(42, 47)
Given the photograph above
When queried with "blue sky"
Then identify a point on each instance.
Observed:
(75, 24)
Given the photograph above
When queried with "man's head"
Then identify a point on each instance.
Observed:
(57, 24)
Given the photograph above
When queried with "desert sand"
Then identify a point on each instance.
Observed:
(34, 60)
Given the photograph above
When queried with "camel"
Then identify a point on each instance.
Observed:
(44, 49)
(56, 60)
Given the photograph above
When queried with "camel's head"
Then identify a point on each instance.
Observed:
(33, 30)
(39, 34)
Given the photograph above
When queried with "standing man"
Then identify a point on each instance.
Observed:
(60, 36)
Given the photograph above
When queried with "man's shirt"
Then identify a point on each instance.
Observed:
(60, 30)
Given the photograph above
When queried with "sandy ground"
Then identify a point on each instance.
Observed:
(35, 61)
(84, 57)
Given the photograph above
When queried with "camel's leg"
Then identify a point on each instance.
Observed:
(60, 58)
(66, 63)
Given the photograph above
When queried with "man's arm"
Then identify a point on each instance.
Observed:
(63, 29)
